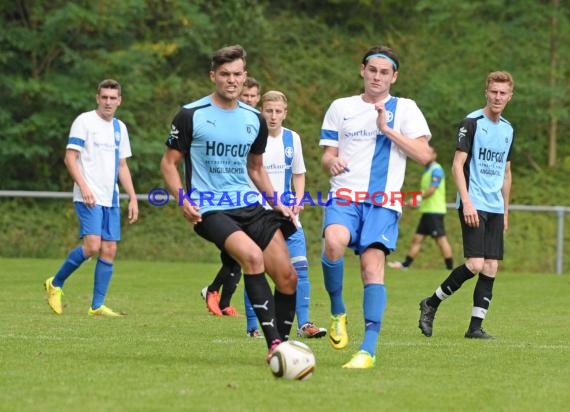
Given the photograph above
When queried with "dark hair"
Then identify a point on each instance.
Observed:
(382, 51)
(251, 82)
(109, 84)
(227, 55)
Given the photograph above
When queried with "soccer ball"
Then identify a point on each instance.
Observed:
(292, 360)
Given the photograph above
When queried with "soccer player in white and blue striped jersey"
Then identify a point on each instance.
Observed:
(96, 158)
(366, 139)
(284, 162)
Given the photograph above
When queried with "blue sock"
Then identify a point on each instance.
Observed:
(333, 273)
(303, 294)
(73, 261)
(103, 274)
(373, 307)
(249, 313)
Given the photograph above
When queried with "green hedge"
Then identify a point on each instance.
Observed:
(46, 228)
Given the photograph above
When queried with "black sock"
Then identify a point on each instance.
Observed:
(450, 285)
(482, 296)
(448, 263)
(218, 281)
(229, 287)
(407, 262)
(263, 303)
(285, 312)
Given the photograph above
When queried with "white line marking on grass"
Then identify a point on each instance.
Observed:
(460, 341)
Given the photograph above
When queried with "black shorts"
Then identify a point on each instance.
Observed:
(257, 222)
(431, 224)
(485, 241)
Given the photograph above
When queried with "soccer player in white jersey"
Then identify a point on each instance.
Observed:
(284, 162)
(221, 142)
(366, 139)
(482, 172)
(96, 157)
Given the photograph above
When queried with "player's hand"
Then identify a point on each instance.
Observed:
(381, 121)
(470, 215)
(133, 210)
(414, 202)
(339, 166)
(88, 196)
(285, 210)
(191, 212)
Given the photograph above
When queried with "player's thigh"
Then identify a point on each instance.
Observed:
(216, 227)
(339, 214)
(473, 237)
(432, 225)
(379, 229)
(494, 236)
(90, 219)
(278, 264)
(245, 251)
(111, 224)
(424, 225)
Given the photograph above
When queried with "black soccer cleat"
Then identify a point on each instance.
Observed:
(427, 315)
(478, 334)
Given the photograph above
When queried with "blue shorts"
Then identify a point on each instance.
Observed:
(369, 225)
(99, 221)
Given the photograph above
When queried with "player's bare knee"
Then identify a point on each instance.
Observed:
(252, 261)
(108, 251)
(490, 268)
(91, 248)
(333, 251)
(475, 265)
(287, 281)
(372, 276)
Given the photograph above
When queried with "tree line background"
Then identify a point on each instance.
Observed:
(54, 52)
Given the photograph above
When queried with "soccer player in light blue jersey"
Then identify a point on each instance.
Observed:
(221, 142)
(96, 158)
(218, 294)
(482, 172)
(366, 140)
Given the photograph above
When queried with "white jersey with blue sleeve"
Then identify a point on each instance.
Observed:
(100, 144)
(376, 165)
(282, 159)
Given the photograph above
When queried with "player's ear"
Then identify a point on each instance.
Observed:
(394, 78)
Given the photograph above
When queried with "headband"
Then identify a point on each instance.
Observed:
(384, 56)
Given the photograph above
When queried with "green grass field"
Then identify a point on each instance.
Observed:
(170, 354)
